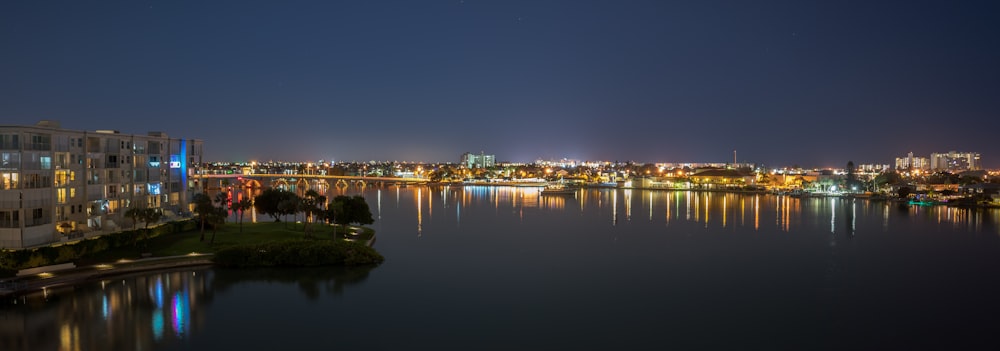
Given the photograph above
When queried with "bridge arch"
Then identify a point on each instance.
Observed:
(250, 183)
(321, 186)
(281, 184)
(301, 186)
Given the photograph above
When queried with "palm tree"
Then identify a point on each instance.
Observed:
(310, 205)
(242, 206)
(222, 199)
(217, 217)
(203, 208)
(134, 213)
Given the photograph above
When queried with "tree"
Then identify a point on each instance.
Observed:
(287, 206)
(269, 202)
(886, 178)
(334, 211)
(134, 213)
(204, 209)
(346, 210)
(242, 206)
(149, 215)
(310, 205)
(223, 200)
(217, 218)
(852, 178)
(145, 215)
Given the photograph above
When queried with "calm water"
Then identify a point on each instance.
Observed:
(503, 268)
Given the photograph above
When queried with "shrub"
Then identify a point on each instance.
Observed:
(14, 260)
(297, 254)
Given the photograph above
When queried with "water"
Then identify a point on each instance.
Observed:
(504, 268)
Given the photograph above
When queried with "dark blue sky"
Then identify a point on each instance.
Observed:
(653, 81)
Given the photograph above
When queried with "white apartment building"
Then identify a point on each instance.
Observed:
(58, 185)
(953, 161)
(911, 162)
(470, 160)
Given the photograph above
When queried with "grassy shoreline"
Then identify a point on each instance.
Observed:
(187, 248)
(188, 242)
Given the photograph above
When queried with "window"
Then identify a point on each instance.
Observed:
(62, 160)
(9, 142)
(10, 160)
(37, 181)
(63, 177)
(38, 217)
(153, 188)
(9, 219)
(8, 180)
(62, 142)
(40, 142)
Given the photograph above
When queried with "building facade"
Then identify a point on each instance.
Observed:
(912, 163)
(953, 161)
(470, 160)
(59, 185)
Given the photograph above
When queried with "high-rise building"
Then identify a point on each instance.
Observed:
(911, 162)
(470, 160)
(955, 161)
(57, 185)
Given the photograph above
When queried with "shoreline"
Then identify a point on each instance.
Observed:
(79, 275)
(58, 275)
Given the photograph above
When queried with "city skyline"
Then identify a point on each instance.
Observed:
(494, 159)
(815, 85)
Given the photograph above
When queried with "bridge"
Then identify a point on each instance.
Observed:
(298, 182)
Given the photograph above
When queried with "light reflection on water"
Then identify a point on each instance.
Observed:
(700, 207)
(713, 210)
(116, 314)
(710, 209)
(481, 262)
(142, 312)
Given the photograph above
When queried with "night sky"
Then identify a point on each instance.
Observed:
(784, 83)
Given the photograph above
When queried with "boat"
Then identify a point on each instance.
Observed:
(558, 190)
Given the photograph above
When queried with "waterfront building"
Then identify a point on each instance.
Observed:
(872, 168)
(911, 162)
(953, 161)
(59, 185)
(722, 178)
(471, 161)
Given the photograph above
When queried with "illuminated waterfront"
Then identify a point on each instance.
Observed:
(503, 267)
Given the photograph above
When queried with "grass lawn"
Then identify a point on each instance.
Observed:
(227, 235)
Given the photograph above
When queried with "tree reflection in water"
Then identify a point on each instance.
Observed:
(312, 281)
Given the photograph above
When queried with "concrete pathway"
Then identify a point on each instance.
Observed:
(24, 284)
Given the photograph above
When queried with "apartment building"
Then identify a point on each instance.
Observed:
(58, 185)
(954, 161)
(912, 163)
(471, 161)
